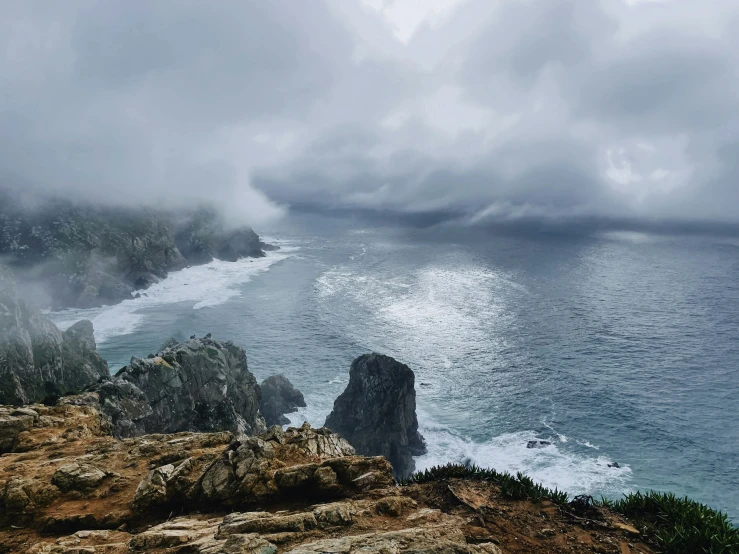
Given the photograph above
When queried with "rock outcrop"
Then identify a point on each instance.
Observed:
(197, 385)
(377, 412)
(279, 397)
(37, 360)
(74, 489)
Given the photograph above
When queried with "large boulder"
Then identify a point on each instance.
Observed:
(377, 412)
(279, 397)
(198, 385)
(37, 360)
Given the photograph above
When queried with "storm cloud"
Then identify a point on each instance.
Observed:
(489, 110)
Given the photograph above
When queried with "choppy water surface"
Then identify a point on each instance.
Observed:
(622, 347)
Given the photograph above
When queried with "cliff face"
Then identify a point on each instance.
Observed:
(87, 256)
(37, 360)
(377, 411)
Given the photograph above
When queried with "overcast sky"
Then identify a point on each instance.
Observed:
(493, 109)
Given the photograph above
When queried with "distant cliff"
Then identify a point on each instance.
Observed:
(85, 256)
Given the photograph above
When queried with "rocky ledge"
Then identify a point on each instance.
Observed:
(69, 487)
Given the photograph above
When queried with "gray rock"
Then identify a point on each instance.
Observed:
(78, 476)
(198, 385)
(377, 412)
(279, 397)
(37, 360)
(126, 405)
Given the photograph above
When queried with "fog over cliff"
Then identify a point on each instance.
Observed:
(485, 110)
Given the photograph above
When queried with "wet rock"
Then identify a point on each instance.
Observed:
(614, 465)
(78, 476)
(538, 444)
(279, 397)
(377, 412)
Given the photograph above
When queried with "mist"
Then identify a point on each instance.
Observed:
(478, 111)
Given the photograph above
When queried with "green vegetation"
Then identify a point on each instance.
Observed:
(679, 525)
(675, 525)
(518, 487)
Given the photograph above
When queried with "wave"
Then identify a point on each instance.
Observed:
(203, 286)
(554, 465)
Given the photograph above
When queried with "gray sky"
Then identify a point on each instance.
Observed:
(495, 109)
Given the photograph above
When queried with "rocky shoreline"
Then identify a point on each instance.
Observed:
(172, 455)
(77, 256)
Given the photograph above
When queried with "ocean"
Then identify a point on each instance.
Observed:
(613, 347)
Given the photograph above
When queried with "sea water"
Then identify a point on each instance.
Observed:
(615, 347)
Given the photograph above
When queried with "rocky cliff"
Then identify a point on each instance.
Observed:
(197, 385)
(37, 360)
(377, 411)
(86, 256)
(71, 488)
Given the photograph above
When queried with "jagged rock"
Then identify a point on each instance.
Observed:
(273, 465)
(538, 444)
(198, 385)
(279, 397)
(162, 485)
(377, 412)
(126, 405)
(37, 360)
(78, 476)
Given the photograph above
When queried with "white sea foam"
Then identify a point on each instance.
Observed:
(203, 286)
(553, 465)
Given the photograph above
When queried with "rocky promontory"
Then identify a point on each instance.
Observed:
(69, 487)
(202, 384)
(76, 255)
(377, 411)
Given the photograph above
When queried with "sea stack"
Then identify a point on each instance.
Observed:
(279, 397)
(377, 412)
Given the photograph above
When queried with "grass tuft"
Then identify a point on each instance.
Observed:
(518, 487)
(679, 525)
